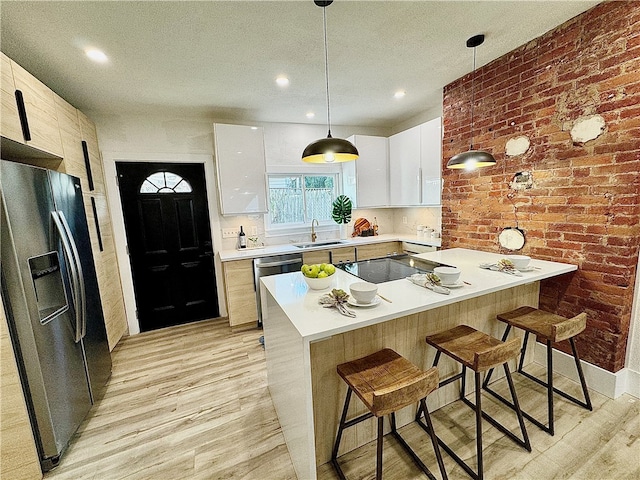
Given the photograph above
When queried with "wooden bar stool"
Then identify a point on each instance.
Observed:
(479, 352)
(551, 328)
(387, 382)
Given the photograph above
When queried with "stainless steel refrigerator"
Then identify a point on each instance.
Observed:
(51, 297)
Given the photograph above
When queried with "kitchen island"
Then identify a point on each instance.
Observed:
(304, 341)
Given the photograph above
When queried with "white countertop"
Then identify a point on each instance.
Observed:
(314, 322)
(227, 255)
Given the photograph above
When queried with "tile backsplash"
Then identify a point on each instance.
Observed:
(390, 220)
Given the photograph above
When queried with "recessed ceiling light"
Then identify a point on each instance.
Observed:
(254, 128)
(311, 115)
(282, 81)
(399, 94)
(96, 55)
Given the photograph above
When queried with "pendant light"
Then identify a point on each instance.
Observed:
(327, 150)
(472, 159)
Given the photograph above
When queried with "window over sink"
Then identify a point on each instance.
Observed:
(296, 199)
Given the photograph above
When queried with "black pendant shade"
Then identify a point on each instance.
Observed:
(328, 150)
(472, 159)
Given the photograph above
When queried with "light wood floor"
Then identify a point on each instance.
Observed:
(191, 402)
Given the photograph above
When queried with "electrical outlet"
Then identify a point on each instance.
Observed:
(254, 230)
(404, 220)
(231, 232)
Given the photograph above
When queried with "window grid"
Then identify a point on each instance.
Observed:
(165, 182)
(295, 200)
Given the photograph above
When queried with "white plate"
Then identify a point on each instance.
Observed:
(458, 284)
(530, 268)
(354, 303)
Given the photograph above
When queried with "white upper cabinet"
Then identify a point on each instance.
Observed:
(404, 168)
(415, 163)
(365, 181)
(431, 162)
(241, 169)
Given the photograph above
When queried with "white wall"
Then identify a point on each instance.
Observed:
(428, 216)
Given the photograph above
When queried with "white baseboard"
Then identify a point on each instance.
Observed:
(598, 379)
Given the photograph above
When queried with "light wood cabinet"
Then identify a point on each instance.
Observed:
(10, 122)
(316, 256)
(89, 138)
(40, 112)
(75, 129)
(378, 250)
(241, 167)
(342, 255)
(80, 147)
(240, 292)
(73, 163)
(18, 455)
(106, 263)
(366, 181)
(58, 130)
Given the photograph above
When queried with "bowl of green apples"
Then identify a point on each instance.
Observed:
(318, 276)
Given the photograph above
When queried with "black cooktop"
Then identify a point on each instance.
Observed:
(387, 269)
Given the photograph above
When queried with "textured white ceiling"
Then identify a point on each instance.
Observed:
(221, 58)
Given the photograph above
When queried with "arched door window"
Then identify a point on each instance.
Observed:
(165, 182)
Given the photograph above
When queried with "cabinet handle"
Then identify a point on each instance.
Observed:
(22, 113)
(87, 164)
(420, 180)
(97, 222)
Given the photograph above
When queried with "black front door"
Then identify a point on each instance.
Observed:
(167, 224)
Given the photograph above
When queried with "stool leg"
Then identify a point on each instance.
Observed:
(343, 420)
(523, 352)
(379, 448)
(479, 426)
(436, 359)
(550, 386)
(434, 438)
(583, 382)
(525, 436)
(463, 385)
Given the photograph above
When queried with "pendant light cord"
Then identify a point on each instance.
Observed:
(473, 94)
(326, 67)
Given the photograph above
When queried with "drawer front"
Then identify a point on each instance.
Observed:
(342, 255)
(378, 250)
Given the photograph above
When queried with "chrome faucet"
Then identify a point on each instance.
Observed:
(314, 235)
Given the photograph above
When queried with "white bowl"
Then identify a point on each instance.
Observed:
(318, 283)
(363, 292)
(519, 261)
(448, 275)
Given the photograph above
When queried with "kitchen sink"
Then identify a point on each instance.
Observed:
(317, 244)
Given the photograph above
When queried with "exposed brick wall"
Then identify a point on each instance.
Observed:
(584, 207)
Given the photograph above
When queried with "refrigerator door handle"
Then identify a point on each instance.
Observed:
(83, 294)
(74, 274)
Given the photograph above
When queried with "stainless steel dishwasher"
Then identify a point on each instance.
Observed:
(273, 265)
